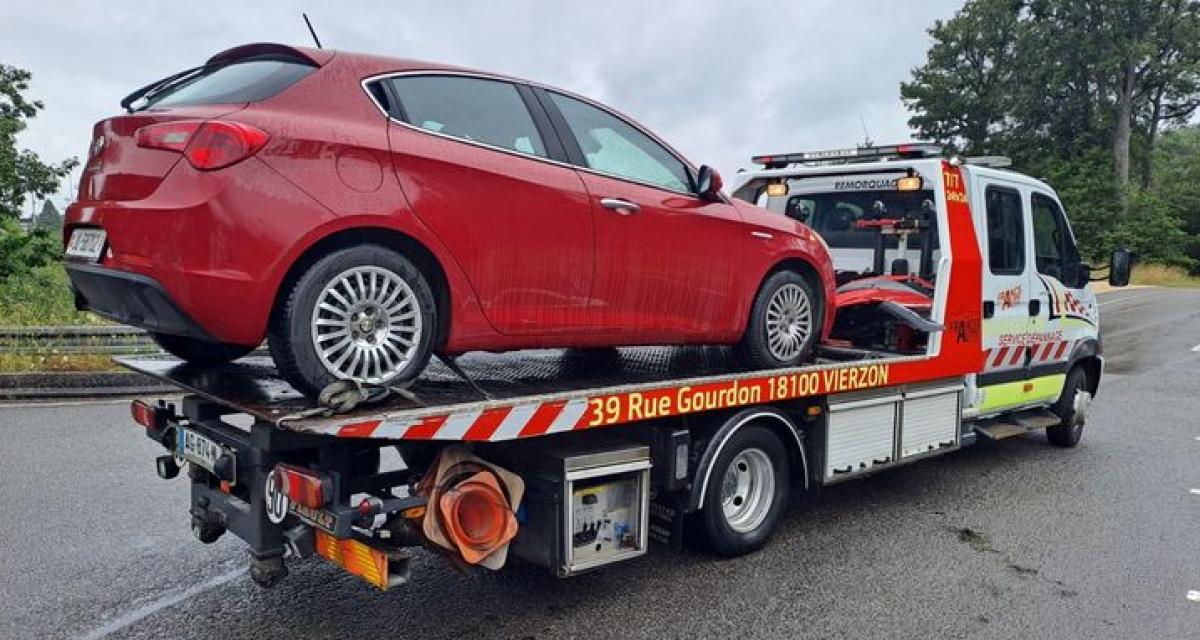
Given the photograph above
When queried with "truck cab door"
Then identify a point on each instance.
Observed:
(1007, 305)
(1068, 315)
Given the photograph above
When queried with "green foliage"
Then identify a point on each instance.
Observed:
(48, 218)
(1074, 92)
(40, 296)
(22, 172)
(20, 251)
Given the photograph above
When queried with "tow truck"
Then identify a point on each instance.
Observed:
(964, 312)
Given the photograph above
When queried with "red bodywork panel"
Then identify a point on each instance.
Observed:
(529, 257)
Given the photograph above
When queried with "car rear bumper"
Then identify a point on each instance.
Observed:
(131, 298)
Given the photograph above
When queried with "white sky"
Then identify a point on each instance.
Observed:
(719, 80)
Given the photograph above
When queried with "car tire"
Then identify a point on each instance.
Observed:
(1072, 408)
(199, 351)
(785, 322)
(747, 492)
(369, 308)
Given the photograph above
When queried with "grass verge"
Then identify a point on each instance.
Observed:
(41, 297)
(41, 363)
(1157, 275)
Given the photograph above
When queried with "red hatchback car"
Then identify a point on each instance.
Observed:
(363, 212)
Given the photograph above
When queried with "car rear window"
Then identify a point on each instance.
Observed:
(247, 80)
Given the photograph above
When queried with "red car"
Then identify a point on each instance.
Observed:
(363, 212)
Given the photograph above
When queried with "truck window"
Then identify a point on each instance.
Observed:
(1053, 249)
(834, 215)
(1006, 231)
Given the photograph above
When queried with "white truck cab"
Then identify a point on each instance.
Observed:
(876, 209)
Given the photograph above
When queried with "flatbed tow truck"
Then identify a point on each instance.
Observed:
(577, 459)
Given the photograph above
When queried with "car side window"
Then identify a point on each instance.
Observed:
(490, 112)
(1053, 249)
(611, 145)
(1005, 231)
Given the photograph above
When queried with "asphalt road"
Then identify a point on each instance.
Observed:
(1013, 539)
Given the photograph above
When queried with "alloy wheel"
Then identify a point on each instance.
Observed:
(789, 322)
(366, 324)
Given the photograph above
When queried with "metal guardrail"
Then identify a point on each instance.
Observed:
(114, 340)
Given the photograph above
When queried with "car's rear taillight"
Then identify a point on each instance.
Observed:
(207, 144)
(301, 485)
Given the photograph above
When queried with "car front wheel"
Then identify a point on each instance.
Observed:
(784, 324)
(364, 313)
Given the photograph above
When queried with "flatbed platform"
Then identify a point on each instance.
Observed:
(520, 394)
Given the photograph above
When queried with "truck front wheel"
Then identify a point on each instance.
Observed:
(747, 492)
(1072, 408)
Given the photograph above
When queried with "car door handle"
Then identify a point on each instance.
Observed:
(623, 207)
(1035, 307)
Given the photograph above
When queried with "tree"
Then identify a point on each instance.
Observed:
(1076, 92)
(22, 172)
(49, 218)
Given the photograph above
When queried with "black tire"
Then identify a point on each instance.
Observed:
(1070, 431)
(754, 350)
(290, 334)
(200, 351)
(721, 536)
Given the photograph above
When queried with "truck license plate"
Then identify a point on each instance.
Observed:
(86, 243)
(198, 448)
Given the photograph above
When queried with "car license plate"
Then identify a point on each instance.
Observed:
(86, 243)
(198, 448)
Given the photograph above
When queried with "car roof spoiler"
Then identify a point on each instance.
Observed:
(317, 57)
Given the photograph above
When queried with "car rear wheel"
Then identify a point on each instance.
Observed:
(364, 313)
(785, 321)
(199, 351)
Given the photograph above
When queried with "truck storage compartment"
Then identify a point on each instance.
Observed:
(930, 420)
(861, 433)
(584, 507)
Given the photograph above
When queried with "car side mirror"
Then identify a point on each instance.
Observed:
(1119, 266)
(709, 183)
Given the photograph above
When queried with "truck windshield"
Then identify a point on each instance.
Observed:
(834, 214)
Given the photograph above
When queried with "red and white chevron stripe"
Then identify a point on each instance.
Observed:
(1012, 356)
(479, 425)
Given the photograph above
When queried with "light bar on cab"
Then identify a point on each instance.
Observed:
(909, 150)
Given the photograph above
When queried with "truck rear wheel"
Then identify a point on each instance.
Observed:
(747, 492)
(1072, 408)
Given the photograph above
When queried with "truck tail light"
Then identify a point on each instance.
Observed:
(207, 144)
(477, 516)
(301, 486)
(146, 415)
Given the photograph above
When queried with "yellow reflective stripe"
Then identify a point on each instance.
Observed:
(1011, 394)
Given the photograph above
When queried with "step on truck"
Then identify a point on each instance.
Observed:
(963, 312)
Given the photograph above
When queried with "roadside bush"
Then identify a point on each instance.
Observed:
(22, 252)
(40, 296)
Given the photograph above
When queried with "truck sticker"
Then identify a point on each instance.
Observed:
(639, 405)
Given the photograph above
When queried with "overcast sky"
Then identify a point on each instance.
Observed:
(719, 80)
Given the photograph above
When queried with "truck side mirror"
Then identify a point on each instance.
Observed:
(1118, 267)
(709, 183)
